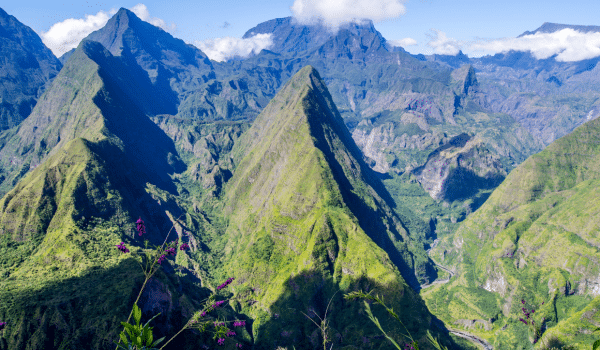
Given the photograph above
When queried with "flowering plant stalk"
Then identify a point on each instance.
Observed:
(413, 345)
(140, 337)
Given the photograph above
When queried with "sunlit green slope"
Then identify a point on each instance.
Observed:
(536, 238)
(307, 219)
(98, 163)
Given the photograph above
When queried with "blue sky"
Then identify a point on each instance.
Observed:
(420, 26)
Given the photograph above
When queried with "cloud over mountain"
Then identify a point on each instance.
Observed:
(403, 42)
(336, 12)
(443, 45)
(222, 49)
(567, 44)
(142, 12)
(66, 35)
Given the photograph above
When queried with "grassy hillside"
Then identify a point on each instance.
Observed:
(305, 220)
(101, 166)
(536, 238)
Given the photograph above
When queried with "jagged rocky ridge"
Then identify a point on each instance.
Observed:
(549, 98)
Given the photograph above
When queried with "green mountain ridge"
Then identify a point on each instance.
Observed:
(64, 284)
(60, 223)
(305, 220)
(99, 163)
(535, 238)
(78, 105)
(327, 190)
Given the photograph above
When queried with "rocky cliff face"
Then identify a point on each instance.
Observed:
(426, 137)
(459, 169)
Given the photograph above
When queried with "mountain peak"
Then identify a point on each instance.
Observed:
(303, 197)
(289, 35)
(305, 85)
(548, 27)
(126, 17)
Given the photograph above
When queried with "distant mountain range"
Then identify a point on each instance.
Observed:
(555, 27)
(328, 163)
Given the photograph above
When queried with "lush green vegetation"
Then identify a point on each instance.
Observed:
(287, 205)
(515, 246)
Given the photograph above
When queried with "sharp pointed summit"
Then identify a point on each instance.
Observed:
(303, 202)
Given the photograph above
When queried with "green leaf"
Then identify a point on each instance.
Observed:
(137, 314)
(596, 344)
(151, 319)
(123, 338)
(376, 321)
(131, 330)
(158, 341)
(147, 335)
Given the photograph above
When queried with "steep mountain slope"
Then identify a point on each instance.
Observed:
(27, 66)
(99, 163)
(74, 107)
(179, 75)
(307, 218)
(64, 284)
(400, 110)
(535, 238)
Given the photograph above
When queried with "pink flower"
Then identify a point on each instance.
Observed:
(141, 228)
(122, 247)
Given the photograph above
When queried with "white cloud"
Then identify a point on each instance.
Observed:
(336, 12)
(567, 44)
(66, 35)
(443, 45)
(222, 49)
(403, 42)
(141, 11)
